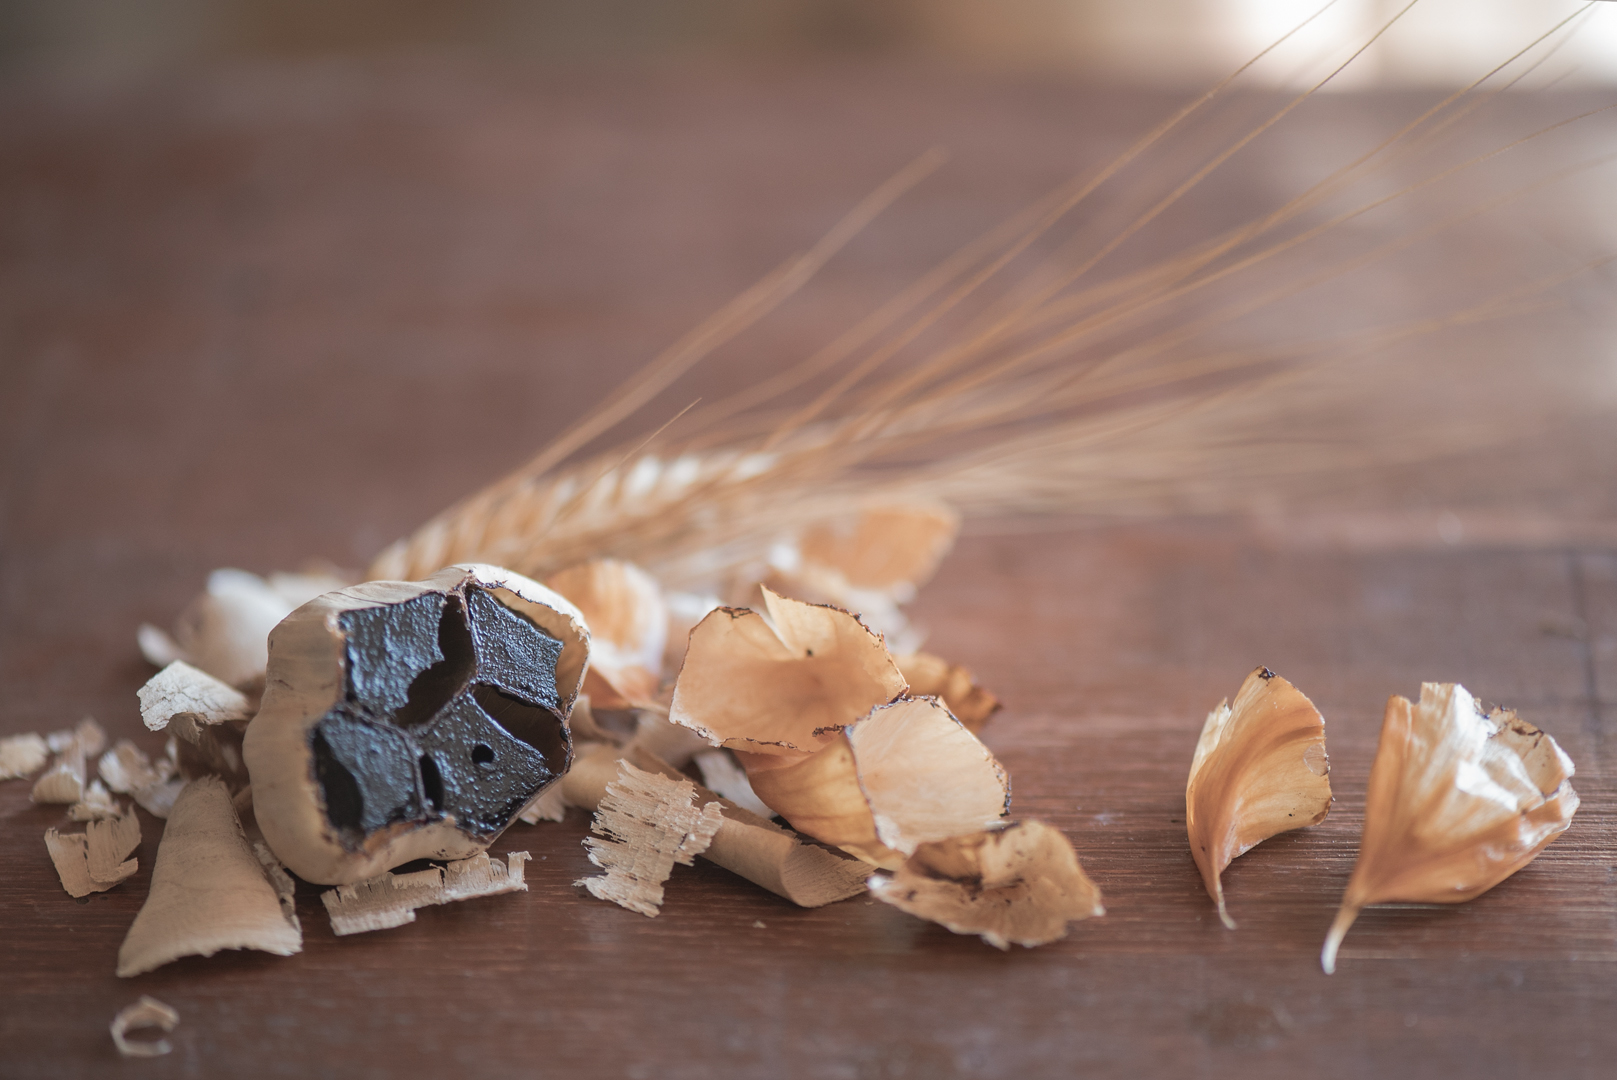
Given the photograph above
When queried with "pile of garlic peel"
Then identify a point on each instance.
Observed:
(872, 754)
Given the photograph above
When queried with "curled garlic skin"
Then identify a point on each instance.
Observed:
(1260, 769)
(1458, 802)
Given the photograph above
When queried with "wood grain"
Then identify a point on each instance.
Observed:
(245, 316)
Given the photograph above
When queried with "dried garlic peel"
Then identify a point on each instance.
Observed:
(148, 1012)
(1018, 885)
(628, 624)
(906, 773)
(890, 549)
(785, 690)
(209, 891)
(933, 676)
(1458, 802)
(1260, 769)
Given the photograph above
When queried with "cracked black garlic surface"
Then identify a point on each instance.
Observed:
(1259, 770)
(409, 720)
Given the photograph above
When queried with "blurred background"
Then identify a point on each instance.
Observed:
(1169, 42)
(259, 256)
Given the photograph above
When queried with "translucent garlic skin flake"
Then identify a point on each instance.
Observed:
(1260, 769)
(1458, 802)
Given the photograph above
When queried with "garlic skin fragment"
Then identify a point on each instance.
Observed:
(208, 892)
(225, 630)
(933, 676)
(22, 755)
(628, 624)
(1458, 802)
(1018, 885)
(906, 773)
(148, 1012)
(1260, 769)
(786, 689)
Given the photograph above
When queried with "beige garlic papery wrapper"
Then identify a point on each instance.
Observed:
(906, 774)
(628, 622)
(891, 550)
(786, 686)
(933, 676)
(1260, 769)
(1018, 885)
(1458, 802)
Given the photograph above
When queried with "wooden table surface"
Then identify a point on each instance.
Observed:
(259, 315)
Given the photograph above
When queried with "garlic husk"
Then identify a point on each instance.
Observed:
(1018, 885)
(888, 549)
(905, 774)
(933, 676)
(1259, 769)
(628, 623)
(785, 686)
(819, 795)
(1457, 802)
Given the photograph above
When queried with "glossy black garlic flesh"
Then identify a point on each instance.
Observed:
(404, 720)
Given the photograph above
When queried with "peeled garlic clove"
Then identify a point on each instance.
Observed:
(1458, 802)
(628, 622)
(1021, 884)
(1260, 769)
(933, 676)
(785, 690)
(408, 720)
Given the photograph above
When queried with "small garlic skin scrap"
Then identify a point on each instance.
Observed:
(22, 755)
(933, 676)
(1260, 769)
(628, 623)
(148, 1012)
(1018, 885)
(1458, 802)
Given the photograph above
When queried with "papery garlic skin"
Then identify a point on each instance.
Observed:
(1021, 884)
(786, 685)
(1458, 802)
(1260, 769)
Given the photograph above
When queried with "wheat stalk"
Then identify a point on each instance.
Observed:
(1055, 395)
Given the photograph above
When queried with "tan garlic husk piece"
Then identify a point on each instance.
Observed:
(870, 559)
(786, 686)
(209, 891)
(628, 623)
(225, 630)
(933, 676)
(1259, 770)
(890, 549)
(1018, 885)
(906, 774)
(1458, 802)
